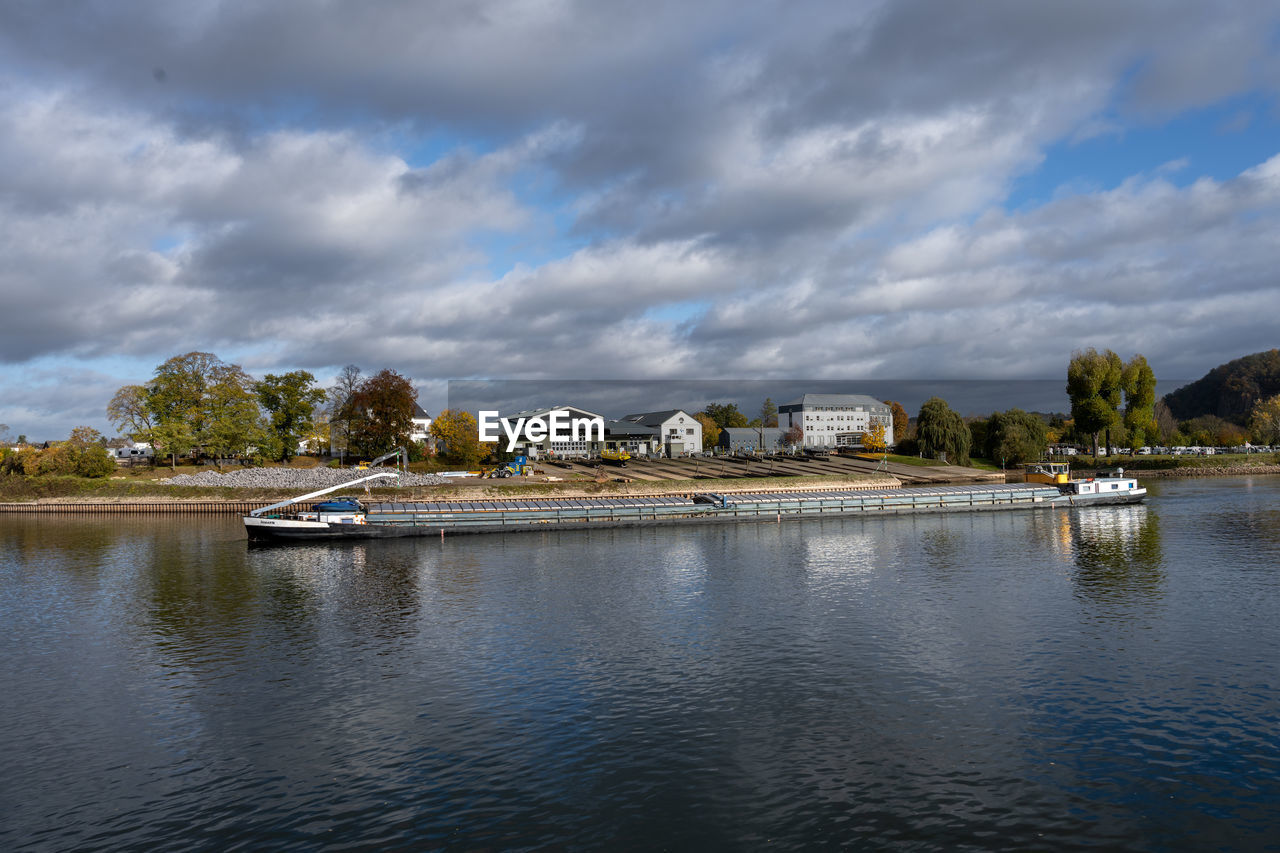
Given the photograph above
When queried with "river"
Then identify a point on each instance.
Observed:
(1105, 677)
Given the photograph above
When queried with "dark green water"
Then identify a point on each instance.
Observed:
(1097, 678)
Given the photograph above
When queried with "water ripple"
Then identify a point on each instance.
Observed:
(987, 682)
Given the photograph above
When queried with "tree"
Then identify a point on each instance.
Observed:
(4, 433)
(175, 399)
(1264, 421)
(901, 420)
(21, 461)
(769, 413)
(290, 401)
(794, 437)
(710, 430)
(344, 388)
(91, 457)
(1015, 437)
(1213, 431)
(940, 430)
(86, 436)
(380, 412)
(194, 401)
(978, 428)
(1166, 424)
(459, 434)
(83, 454)
(726, 415)
(873, 439)
(1230, 390)
(1094, 384)
(1139, 402)
(320, 437)
(230, 420)
(128, 412)
(56, 459)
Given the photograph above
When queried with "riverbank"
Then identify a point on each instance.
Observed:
(136, 497)
(1188, 471)
(1220, 465)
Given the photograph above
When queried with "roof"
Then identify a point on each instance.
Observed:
(627, 428)
(654, 418)
(539, 413)
(751, 432)
(808, 400)
(419, 413)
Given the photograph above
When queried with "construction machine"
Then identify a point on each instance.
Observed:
(401, 456)
(518, 467)
(615, 457)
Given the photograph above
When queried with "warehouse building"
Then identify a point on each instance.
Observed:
(581, 444)
(751, 439)
(679, 431)
(637, 440)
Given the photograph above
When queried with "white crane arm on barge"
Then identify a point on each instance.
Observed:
(308, 497)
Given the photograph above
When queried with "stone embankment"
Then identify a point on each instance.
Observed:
(302, 479)
(1198, 471)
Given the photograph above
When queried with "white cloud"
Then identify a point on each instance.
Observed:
(505, 188)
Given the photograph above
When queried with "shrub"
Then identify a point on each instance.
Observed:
(95, 461)
(58, 459)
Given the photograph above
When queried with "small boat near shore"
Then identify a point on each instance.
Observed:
(1112, 487)
(350, 518)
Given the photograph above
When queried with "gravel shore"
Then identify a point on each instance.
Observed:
(297, 478)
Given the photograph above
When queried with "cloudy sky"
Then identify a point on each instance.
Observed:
(600, 189)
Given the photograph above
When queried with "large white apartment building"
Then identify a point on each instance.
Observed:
(835, 420)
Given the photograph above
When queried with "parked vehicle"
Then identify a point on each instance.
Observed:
(518, 467)
(131, 455)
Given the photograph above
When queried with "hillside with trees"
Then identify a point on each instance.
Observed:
(1230, 391)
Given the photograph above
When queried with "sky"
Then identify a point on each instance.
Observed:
(606, 190)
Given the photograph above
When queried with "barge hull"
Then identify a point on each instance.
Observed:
(705, 509)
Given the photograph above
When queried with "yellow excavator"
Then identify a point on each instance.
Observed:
(401, 456)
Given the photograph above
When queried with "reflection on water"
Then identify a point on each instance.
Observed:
(916, 681)
(844, 552)
(1117, 555)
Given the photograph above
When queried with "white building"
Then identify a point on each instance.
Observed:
(679, 431)
(836, 420)
(421, 424)
(585, 444)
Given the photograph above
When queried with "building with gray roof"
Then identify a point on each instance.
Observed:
(832, 421)
(679, 431)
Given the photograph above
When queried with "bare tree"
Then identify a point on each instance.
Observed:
(343, 390)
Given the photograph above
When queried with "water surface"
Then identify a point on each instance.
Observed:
(1095, 678)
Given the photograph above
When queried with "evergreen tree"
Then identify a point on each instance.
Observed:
(769, 413)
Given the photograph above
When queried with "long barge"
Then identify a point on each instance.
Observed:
(354, 519)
